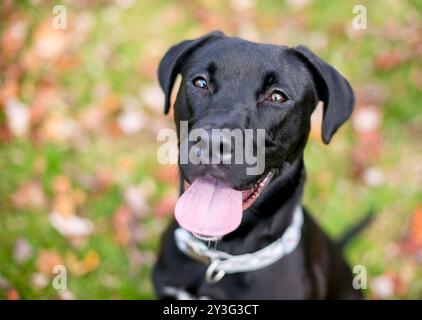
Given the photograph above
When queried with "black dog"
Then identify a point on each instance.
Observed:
(237, 84)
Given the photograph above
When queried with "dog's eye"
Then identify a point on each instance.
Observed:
(276, 97)
(200, 82)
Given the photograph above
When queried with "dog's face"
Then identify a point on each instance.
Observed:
(232, 84)
(229, 83)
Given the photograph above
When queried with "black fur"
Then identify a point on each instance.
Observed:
(241, 74)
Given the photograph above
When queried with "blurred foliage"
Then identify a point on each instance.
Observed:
(80, 108)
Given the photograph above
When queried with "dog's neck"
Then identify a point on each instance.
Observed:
(267, 219)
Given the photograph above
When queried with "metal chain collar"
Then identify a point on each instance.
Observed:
(221, 263)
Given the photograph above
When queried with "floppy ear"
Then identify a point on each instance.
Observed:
(173, 60)
(332, 89)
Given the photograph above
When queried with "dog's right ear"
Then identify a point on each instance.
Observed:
(173, 60)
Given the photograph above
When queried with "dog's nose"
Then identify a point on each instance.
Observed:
(215, 147)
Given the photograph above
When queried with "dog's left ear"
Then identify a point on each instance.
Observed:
(332, 89)
(173, 60)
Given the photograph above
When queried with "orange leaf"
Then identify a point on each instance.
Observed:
(12, 294)
(388, 60)
(89, 263)
(416, 233)
(29, 196)
(47, 260)
(166, 205)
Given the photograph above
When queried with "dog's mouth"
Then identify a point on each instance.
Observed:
(249, 196)
(211, 209)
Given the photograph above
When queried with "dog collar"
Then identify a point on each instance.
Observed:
(221, 263)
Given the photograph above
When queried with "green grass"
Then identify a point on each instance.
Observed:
(111, 57)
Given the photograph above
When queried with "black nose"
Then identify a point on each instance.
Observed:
(214, 147)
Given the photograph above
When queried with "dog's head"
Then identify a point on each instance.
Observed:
(234, 84)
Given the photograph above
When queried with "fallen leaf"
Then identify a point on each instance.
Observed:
(366, 119)
(8, 90)
(110, 104)
(122, 220)
(136, 201)
(29, 195)
(64, 205)
(165, 206)
(104, 177)
(12, 294)
(368, 148)
(49, 43)
(131, 121)
(22, 251)
(84, 22)
(135, 260)
(39, 280)
(373, 176)
(17, 114)
(5, 134)
(168, 174)
(61, 184)
(71, 225)
(58, 128)
(244, 5)
(382, 286)
(67, 62)
(316, 122)
(66, 295)
(416, 231)
(46, 96)
(47, 260)
(153, 97)
(64, 202)
(114, 130)
(89, 263)
(388, 60)
(388, 285)
(92, 119)
(13, 37)
(147, 67)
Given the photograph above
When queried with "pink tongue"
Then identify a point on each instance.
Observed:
(209, 208)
